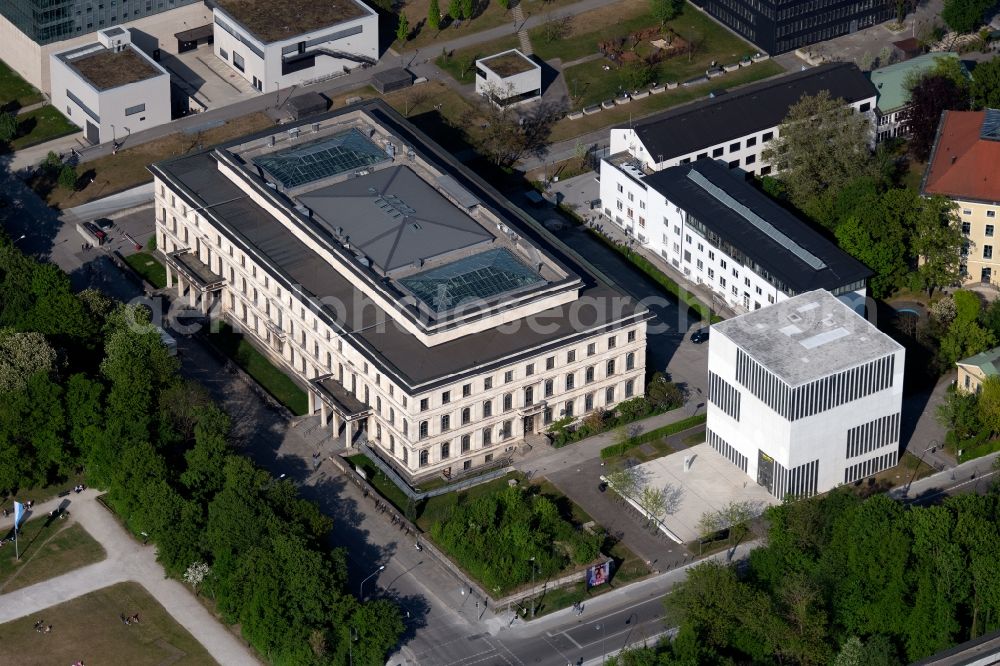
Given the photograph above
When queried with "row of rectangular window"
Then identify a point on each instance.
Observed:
(423, 431)
(723, 395)
(798, 482)
(875, 434)
(817, 396)
(870, 467)
(589, 376)
(727, 450)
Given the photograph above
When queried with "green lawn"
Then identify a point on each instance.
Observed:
(15, 89)
(39, 494)
(41, 125)
(89, 629)
(382, 483)
(48, 549)
(276, 382)
(150, 268)
(567, 129)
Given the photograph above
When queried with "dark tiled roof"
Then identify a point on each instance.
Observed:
(744, 111)
(780, 252)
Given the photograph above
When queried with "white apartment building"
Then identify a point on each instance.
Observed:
(413, 301)
(719, 231)
(735, 127)
(110, 88)
(275, 45)
(805, 395)
(509, 77)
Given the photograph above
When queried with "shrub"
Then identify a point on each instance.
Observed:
(67, 177)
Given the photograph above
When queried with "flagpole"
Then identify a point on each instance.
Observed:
(17, 548)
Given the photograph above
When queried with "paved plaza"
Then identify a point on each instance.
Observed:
(711, 483)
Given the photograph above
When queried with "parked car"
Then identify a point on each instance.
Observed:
(700, 336)
(94, 229)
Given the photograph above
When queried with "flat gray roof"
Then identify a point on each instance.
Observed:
(394, 217)
(806, 337)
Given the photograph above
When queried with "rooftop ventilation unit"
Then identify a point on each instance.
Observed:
(294, 133)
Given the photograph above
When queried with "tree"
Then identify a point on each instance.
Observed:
(822, 144)
(507, 136)
(929, 97)
(68, 177)
(403, 29)
(434, 15)
(877, 238)
(662, 393)
(989, 404)
(21, 356)
(468, 8)
(665, 10)
(964, 16)
(627, 482)
(964, 339)
(937, 240)
(959, 413)
(196, 573)
(455, 9)
(985, 87)
(8, 126)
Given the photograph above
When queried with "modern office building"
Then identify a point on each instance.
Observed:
(32, 30)
(736, 127)
(721, 232)
(804, 395)
(973, 371)
(110, 88)
(965, 167)
(275, 45)
(891, 83)
(412, 300)
(777, 26)
(509, 78)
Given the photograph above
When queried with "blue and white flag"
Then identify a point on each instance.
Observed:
(18, 514)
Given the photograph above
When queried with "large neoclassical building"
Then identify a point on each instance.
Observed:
(422, 310)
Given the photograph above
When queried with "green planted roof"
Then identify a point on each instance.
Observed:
(891, 81)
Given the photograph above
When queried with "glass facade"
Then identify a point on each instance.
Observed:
(47, 21)
(777, 26)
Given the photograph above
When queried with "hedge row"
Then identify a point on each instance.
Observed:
(621, 448)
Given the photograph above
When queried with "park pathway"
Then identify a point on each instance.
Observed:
(127, 560)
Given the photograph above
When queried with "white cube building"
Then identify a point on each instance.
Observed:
(805, 395)
(275, 45)
(415, 303)
(509, 78)
(736, 127)
(721, 232)
(110, 88)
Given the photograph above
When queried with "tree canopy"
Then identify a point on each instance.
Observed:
(821, 145)
(930, 95)
(985, 87)
(965, 16)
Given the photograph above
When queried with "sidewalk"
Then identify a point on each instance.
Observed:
(127, 560)
(543, 459)
(29, 157)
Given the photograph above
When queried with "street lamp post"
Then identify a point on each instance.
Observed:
(350, 647)
(532, 560)
(932, 446)
(604, 641)
(362, 591)
(19, 238)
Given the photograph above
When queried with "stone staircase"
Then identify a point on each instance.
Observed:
(522, 33)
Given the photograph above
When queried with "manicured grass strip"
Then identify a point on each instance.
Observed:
(276, 382)
(41, 125)
(382, 483)
(151, 270)
(616, 450)
(89, 629)
(15, 89)
(48, 549)
(659, 277)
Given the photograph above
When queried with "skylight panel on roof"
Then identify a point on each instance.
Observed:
(990, 130)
